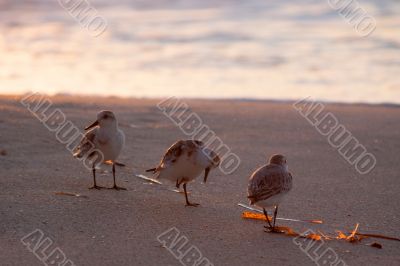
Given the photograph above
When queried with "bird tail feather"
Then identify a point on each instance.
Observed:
(152, 170)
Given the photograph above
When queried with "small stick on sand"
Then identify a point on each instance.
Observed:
(280, 218)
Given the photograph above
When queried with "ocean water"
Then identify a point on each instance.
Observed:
(277, 49)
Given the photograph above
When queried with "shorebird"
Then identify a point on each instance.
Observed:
(268, 185)
(105, 137)
(184, 161)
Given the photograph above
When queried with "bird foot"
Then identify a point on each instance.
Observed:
(272, 230)
(192, 204)
(96, 187)
(117, 188)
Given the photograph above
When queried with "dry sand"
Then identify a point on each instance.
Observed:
(121, 227)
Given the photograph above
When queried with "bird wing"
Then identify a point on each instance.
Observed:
(87, 144)
(175, 151)
(267, 182)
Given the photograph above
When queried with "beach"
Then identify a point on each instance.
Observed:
(108, 227)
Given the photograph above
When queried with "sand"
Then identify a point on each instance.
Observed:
(121, 227)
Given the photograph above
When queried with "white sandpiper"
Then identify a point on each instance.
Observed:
(268, 185)
(104, 136)
(184, 161)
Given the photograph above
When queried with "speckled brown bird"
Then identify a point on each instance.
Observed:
(268, 185)
(184, 161)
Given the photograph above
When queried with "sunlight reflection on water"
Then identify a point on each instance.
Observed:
(234, 49)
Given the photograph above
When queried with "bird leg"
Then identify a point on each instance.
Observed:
(178, 183)
(266, 216)
(275, 213)
(187, 200)
(272, 228)
(95, 186)
(115, 184)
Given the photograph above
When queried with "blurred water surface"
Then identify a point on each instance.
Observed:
(277, 49)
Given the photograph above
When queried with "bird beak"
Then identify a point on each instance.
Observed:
(206, 174)
(95, 123)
